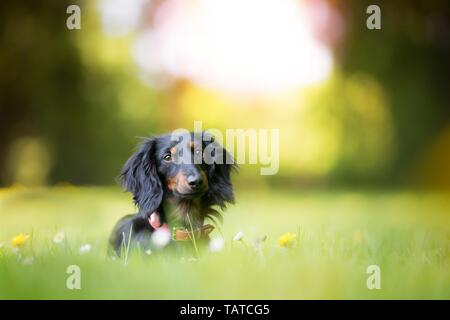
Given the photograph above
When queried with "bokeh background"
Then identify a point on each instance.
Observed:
(364, 122)
(355, 107)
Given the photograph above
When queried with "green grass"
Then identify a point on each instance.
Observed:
(338, 236)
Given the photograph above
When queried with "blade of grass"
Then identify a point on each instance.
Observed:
(194, 242)
(128, 245)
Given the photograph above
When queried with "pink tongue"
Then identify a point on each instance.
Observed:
(154, 220)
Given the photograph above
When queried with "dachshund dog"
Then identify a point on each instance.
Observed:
(175, 180)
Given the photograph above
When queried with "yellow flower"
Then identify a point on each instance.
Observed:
(19, 240)
(286, 240)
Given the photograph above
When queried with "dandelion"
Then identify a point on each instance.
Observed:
(59, 237)
(216, 244)
(238, 236)
(286, 240)
(161, 237)
(85, 248)
(19, 240)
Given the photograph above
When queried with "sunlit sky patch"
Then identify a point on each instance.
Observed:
(120, 17)
(244, 47)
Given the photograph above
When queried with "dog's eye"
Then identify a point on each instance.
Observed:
(168, 157)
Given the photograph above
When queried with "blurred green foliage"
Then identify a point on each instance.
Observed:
(48, 91)
(71, 101)
(409, 57)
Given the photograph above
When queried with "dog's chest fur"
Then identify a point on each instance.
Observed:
(180, 211)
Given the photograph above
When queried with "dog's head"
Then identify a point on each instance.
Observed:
(185, 167)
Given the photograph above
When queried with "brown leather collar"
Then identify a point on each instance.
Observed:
(181, 234)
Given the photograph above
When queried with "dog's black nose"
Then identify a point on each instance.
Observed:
(194, 180)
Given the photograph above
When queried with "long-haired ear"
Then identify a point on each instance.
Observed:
(140, 177)
(219, 175)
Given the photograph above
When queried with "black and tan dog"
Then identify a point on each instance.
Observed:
(172, 181)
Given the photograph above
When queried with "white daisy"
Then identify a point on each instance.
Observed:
(85, 248)
(216, 244)
(59, 237)
(238, 236)
(161, 237)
